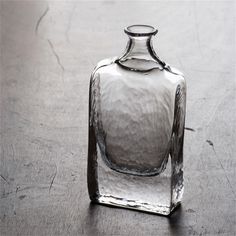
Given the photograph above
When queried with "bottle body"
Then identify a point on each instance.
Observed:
(136, 130)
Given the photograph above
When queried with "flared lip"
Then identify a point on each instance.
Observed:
(140, 30)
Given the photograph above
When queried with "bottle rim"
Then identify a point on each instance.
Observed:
(140, 30)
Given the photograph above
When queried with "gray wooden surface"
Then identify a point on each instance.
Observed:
(48, 50)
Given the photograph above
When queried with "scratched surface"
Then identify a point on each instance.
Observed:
(48, 50)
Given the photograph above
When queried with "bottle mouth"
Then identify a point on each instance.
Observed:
(140, 30)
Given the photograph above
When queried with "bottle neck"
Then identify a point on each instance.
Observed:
(140, 55)
(139, 47)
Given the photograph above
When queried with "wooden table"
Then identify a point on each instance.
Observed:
(48, 50)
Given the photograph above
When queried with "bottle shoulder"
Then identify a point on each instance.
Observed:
(103, 63)
(109, 69)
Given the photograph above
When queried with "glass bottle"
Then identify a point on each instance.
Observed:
(136, 129)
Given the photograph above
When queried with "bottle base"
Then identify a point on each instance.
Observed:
(108, 200)
(143, 193)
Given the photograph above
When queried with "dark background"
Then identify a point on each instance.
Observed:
(48, 50)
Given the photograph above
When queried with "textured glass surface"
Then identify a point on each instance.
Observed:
(136, 129)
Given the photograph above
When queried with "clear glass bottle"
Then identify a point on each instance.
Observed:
(136, 129)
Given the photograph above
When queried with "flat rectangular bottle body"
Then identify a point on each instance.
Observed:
(136, 130)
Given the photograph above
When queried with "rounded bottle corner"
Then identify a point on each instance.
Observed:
(93, 199)
(175, 71)
(93, 195)
(104, 62)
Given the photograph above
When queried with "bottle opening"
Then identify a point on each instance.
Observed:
(140, 30)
